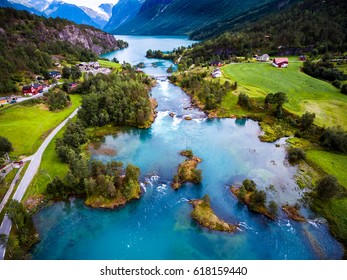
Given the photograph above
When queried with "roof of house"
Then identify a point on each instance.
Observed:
(279, 60)
(37, 85)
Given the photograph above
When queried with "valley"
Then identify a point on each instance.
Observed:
(237, 142)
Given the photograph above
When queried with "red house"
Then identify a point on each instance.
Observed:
(32, 89)
(281, 62)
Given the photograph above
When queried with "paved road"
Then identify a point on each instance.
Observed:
(10, 190)
(34, 165)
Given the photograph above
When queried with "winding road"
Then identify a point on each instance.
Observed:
(34, 165)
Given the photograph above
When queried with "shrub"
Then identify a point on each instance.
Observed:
(327, 187)
(249, 185)
(344, 89)
(5, 146)
(307, 120)
(295, 154)
(336, 84)
(243, 101)
(334, 138)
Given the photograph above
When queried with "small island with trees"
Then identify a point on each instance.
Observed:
(187, 171)
(204, 215)
(254, 199)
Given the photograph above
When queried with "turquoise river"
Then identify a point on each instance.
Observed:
(159, 226)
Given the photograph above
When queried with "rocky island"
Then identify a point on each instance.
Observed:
(187, 171)
(254, 199)
(204, 215)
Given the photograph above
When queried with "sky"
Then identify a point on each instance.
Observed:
(90, 3)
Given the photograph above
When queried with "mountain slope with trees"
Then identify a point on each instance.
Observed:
(27, 43)
(304, 27)
(179, 17)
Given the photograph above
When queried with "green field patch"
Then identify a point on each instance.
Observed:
(304, 92)
(50, 166)
(330, 163)
(27, 127)
(6, 183)
(110, 64)
(334, 211)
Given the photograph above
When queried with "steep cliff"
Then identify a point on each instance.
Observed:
(124, 11)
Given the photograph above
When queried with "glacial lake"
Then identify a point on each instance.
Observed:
(159, 226)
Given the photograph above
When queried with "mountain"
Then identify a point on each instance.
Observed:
(252, 15)
(70, 12)
(100, 18)
(181, 17)
(124, 11)
(304, 27)
(107, 8)
(19, 6)
(4, 4)
(39, 5)
(29, 43)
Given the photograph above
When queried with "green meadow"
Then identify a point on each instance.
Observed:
(27, 126)
(110, 64)
(330, 163)
(304, 92)
(50, 167)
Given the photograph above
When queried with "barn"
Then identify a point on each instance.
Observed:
(281, 62)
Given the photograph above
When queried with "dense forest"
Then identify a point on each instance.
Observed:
(27, 43)
(207, 92)
(117, 99)
(306, 27)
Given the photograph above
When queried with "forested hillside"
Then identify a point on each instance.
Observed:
(305, 27)
(179, 17)
(27, 43)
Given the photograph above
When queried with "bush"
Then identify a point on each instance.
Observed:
(334, 138)
(307, 120)
(327, 187)
(243, 101)
(249, 185)
(295, 154)
(336, 84)
(344, 89)
(5, 146)
(273, 207)
(257, 199)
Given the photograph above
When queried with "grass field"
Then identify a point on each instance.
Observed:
(110, 64)
(27, 127)
(50, 167)
(6, 182)
(330, 163)
(334, 211)
(304, 92)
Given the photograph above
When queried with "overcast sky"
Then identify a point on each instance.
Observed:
(90, 3)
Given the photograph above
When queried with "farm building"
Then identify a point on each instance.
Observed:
(32, 89)
(55, 75)
(216, 73)
(263, 58)
(281, 62)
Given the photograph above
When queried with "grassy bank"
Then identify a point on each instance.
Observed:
(27, 126)
(304, 92)
(330, 163)
(6, 182)
(50, 166)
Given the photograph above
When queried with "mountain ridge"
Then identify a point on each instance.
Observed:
(181, 17)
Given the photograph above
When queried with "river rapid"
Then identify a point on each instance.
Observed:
(159, 226)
